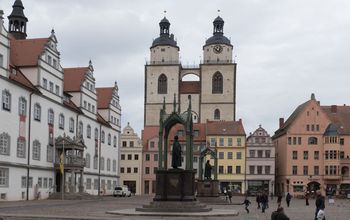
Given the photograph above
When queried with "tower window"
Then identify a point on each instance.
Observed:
(162, 84)
(217, 114)
(217, 83)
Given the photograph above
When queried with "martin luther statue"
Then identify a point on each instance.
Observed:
(176, 153)
(207, 171)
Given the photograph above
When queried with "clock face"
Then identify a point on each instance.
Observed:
(217, 49)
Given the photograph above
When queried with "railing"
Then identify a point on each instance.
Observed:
(216, 61)
(72, 160)
(165, 62)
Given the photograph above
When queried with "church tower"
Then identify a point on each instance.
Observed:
(218, 77)
(18, 21)
(161, 74)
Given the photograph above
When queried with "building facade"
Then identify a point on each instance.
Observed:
(311, 149)
(260, 162)
(131, 160)
(57, 132)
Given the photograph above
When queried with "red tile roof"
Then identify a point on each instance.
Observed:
(20, 78)
(225, 128)
(71, 105)
(190, 87)
(147, 133)
(26, 52)
(102, 121)
(73, 78)
(104, 97)
(339, 115)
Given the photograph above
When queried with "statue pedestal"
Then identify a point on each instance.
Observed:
(175, 185)
(208, 188)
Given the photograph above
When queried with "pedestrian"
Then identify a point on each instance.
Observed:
(307, 194)
(279, 199)
(258, 199)
(280, 214)
(264, 200)
(229, 193)
(225, 193)
(288, 198)
(321, 215)
(271, 194)
(246, 203)
(320, 203)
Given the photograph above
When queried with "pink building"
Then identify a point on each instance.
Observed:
(311, 149)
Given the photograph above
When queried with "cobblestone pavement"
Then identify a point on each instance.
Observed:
(96, 209)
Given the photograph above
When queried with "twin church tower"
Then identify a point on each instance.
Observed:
(213, 95)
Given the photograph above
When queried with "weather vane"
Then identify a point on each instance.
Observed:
(164, 13)
(219, 11)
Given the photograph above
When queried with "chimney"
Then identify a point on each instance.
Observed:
(281, 122)
(333, 108)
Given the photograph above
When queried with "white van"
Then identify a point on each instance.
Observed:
(121, 191)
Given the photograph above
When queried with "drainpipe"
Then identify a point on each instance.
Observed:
(99, 163)
(29, 129)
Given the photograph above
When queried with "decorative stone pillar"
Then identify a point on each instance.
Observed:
(72, 182)
(81, 184)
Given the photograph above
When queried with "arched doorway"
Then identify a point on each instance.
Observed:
(312, 187)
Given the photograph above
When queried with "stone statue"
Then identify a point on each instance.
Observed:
(207, 171)
(176, 153)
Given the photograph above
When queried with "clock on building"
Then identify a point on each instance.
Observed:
(217, 49)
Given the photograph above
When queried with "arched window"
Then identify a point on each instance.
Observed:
(81, 129)
(312, 140)
(217, 83)
(217, 114)
(108, 164)
(4, 144)
(37, 112)
(87, 161)
(6, 100)
(36, 150)
(114, 166)
(114, 141)
(95, 162)
(21, 147)
(61, 121)
(109, 139)
(22, 106)
(88, 131)
(103, 137)
(71, 125)
(162, 84)
(102, 163)
(96, 133)
(50, 117)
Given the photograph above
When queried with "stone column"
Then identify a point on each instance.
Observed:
(81, 184)
(72, 182)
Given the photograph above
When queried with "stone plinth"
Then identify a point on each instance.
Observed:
(175, 185)
(208, 188)
(174, 206)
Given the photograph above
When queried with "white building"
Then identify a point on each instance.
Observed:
(45, 109)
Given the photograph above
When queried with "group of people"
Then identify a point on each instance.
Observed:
(263, 201)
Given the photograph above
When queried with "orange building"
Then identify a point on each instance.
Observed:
(311, 149)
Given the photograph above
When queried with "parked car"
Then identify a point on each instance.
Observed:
(121, 191)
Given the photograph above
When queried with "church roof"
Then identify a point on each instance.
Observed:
(218, 39)
(18, 10)
(26, 52)
(104, 97)
(167, 40)
(73, 78)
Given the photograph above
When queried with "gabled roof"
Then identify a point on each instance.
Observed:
(73, 78)
(72, 106)
(20, 78)
(225, 128)
(340, 116)
(26, 52)
(102, 121)
(104, 97)
(147, 133)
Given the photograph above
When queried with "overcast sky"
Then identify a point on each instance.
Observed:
(285, 50)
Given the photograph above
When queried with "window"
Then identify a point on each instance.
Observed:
(87, 161)
(316, 155)
(239, 155)
(22, 106)
(341, 141)
(109, 139)
(102, 163)
(95, 184)
(260, 153)
(93, 108)
(306, 155)
(259, 169)
(238, 169)
(49, 153)
(267, 169)
(71, 125)
(122, 169)
(124, 143)
(54, 63)
(221, 169)
(251, 169)
(131, 144)
(251, 153)
(316, 170)
(49, 59)
(146, 170)
(162, 84)
(108, 164)
(229, 169)
(148, 158)
(36, 150)
(312, 140)
(128, 170)
(45, 183)
(217, 83)
(217, 114)
(50, 117)
(212, 142)
(155, 157)
(89, 107)
(129, 156)
(294, 140)
(51, 86)
(114, 165)
(45, 83)
(50, 182)
(289, 140)
(61, 121)
(80, 129)
(1, 60)
(229, 155)
(88, 183)
(21, 148)
(317, 127)
(122, 156)
(4, 177)
(295, 170)
(37, 112)
(221, 155)
(229, 141)
(196, 133)
(267, 153)
(114, 141)
(85, 104)
(239, 141)
(88, 131)
(221, 141)
(96, 134)
(136, 170)
(57, 91)
(6, 100)
(295, 155)
(102, 136)
(306, 170)
(312, 127)
(4, 144)
(299, 140)
(95, 162)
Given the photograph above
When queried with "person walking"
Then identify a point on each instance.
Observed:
(307, 194)
(258, 200)
(320, 203)
(229, 193)
(280, 215)
(246, 203)
(288, 198)
(279, 199)
(264, 199)
(321, 215)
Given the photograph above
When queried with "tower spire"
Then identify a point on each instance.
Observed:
(18, 21)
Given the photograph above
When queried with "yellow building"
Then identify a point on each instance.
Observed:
(229, 139)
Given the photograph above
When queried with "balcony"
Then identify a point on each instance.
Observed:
(71, 162)
(332, 177)
(217, 61)
(345, 161)
(165, 62)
